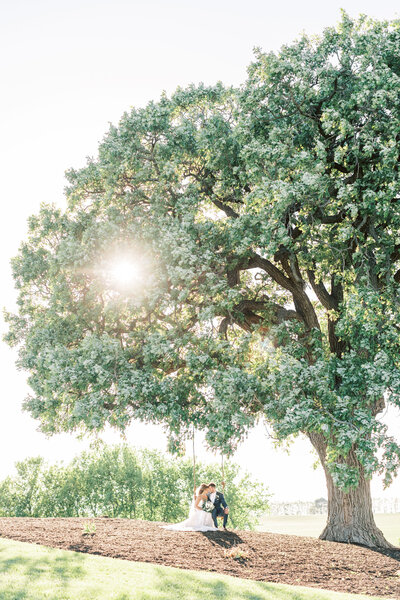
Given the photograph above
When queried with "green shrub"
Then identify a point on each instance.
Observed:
(119, 481)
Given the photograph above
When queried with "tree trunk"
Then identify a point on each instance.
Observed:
(350, 517)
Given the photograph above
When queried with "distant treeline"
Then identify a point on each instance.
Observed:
(119, 481)
(320, 507)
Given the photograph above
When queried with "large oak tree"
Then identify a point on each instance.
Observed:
(262, 226)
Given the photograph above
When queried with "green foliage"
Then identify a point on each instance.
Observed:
(22, 492)
(265, 223)
(118, 481)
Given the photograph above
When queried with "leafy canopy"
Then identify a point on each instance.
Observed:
(265, 224)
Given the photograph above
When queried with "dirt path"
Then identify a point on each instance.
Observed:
(269, 557)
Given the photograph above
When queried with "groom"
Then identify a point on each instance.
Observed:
(220, 506)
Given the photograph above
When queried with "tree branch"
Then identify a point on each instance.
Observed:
(321, 292)
(224, 207)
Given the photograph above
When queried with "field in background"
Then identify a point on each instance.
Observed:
(32, 572)
(313, 525)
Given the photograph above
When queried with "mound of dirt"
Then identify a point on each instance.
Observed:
(251, 555)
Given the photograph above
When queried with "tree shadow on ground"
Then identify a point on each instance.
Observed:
(223, 539)
(168, 585)
(60, 569)
(390, 552)
(227, 540)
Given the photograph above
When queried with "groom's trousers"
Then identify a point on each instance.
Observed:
(219, 512)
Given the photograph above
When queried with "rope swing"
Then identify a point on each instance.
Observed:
(194, 472)
(194, 466)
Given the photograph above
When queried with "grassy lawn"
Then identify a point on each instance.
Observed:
(30, 572)
(313, 525)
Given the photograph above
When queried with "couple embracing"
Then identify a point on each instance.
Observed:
(206, 506)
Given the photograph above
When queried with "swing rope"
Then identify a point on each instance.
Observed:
(194, 466)
(223, 484)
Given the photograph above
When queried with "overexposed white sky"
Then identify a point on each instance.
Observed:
(67, 69)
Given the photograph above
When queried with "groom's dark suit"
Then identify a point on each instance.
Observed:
(219, 505)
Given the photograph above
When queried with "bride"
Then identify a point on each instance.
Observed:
(199, 520)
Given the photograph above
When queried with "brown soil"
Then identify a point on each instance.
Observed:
(268, 556)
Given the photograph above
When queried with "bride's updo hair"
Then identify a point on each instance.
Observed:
(203, 487)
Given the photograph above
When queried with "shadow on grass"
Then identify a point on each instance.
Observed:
(169, 585)
(25, 571)
(18, 574)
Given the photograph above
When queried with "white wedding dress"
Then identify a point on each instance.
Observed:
(198, 520)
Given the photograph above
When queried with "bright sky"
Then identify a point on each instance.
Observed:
(68, 68)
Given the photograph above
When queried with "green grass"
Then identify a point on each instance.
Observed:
(313, 525)
(30, 572)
